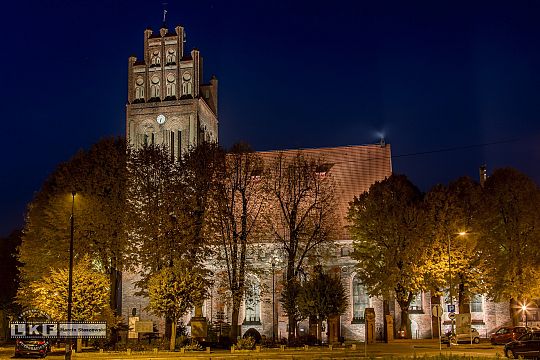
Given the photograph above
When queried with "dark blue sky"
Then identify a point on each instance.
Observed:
(429, 75)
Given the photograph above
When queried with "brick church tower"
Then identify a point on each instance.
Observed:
(168, 103)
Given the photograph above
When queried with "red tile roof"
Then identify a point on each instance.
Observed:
(354, 169)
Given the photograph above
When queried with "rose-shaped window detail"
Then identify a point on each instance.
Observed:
(186, 76)
(171, 51)
(155, 80)
(155, 53)
(139, 81)
(170, 78)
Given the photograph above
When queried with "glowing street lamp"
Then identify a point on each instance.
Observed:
(462, 233)
(524, 309)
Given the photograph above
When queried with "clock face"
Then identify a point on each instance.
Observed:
(160, 119)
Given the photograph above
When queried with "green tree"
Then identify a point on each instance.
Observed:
(510, 243)
(320, 296)
(90, 293)
(388, 231)
(173, 291)
(157, 212)
(99, 178)
(239, 205)
(452, 212)
(300, 214)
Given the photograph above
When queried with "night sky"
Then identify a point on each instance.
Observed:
(427, 76)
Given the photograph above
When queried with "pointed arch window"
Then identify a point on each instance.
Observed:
(253, 302)
(360, 300)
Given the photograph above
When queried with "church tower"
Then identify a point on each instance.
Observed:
(168, 102)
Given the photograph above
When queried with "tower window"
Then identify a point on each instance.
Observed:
(187, 86)
(171, 56)
(171, 85)
(156, 58)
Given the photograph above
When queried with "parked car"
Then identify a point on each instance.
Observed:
(506, 334)
(39, 347)
(462, 338)
(528, 345)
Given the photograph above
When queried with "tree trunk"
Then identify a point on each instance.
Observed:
(168, 327)
(79, 345)
(435, 321)
(463, 300)
(115, 302)
(319, 332)
(514, 312)
(292, 328)
(234, 322)
(386, 311)
(405, 322)
(172, 344)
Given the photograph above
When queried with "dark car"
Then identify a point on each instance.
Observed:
(528, 345)
(39, 347)
(507, 333)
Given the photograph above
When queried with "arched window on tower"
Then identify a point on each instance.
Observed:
(360, 300)
(253, 302)
(139, 89)
(154, 88)
(187, 87)
(171, 56)
(156, 58)
(171, 85)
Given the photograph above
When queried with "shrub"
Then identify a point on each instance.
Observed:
(247, 343)
(193, 345)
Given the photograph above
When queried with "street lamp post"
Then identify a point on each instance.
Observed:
(524, 309)
(70, 281)
(273, 305)
(450, 286)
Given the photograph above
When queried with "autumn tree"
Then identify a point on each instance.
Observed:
(300, 216)
(510, 243)
(388, 231)
(173, 291)
(98, 176)
(238, 207)
(90, 293)
(452, 216)
(321, 296)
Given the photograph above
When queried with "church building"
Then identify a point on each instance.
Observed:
(170, 103)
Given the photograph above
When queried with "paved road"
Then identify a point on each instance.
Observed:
(405, 348)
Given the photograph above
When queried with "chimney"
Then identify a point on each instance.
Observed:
(483, 174)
